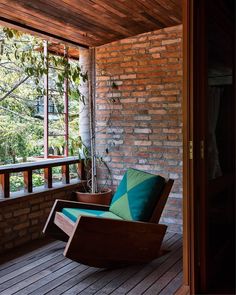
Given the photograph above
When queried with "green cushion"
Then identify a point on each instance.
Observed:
(136, 196)
(73, 214)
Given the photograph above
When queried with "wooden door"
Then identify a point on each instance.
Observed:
(214, 136)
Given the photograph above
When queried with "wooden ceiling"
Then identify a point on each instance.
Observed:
(91, 22)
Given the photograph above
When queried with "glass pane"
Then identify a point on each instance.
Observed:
(220, 145)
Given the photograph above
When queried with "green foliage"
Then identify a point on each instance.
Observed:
(26, 51)
(17, 140)
(17, 182)
(22, 68)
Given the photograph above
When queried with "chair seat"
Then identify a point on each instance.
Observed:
(73, 214)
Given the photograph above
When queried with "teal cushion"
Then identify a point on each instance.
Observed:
(73, 213)
(136, 196)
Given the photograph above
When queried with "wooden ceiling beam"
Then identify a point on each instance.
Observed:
(7, 22)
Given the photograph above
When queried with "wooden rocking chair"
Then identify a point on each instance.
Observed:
(111, 236)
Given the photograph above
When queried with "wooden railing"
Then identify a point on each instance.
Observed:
(29, 167)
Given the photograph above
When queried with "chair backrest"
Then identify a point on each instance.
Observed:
(137, 196)
(156, 214)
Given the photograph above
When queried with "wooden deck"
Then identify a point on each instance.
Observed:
(47, 271)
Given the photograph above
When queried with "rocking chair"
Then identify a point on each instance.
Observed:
(126, 232)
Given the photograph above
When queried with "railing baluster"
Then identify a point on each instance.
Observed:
(81, 170)
(5, 185)
(28, 183)
(48, 177)
(65, 174)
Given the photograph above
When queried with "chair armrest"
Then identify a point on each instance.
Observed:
(51, 229)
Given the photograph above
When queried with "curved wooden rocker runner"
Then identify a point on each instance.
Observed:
(126, 232)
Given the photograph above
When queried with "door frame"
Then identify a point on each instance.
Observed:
(189, 150)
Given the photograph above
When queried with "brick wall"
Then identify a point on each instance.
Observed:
(138, 110)
(22, 219)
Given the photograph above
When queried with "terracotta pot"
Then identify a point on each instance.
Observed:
(101, 198)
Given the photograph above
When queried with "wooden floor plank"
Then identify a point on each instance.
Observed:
(67, 287)
(80, 272)
(174, 285)
(165, 279)
(60, 272)
(168, 235)
(157, 273)
(27, 267)
(22, 286)
(70, 282)
(116, 282)
(95, 282)
(106, 278)
(39, 252)
(30, 257)
(47, 271)
(144, 272)
(167, 244)
(88, 281)
(169, 240)
(31, 272)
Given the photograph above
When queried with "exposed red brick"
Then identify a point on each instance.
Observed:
(148, 71)
(22, 219)
(171, 41)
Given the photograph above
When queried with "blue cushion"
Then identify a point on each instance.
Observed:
(136, 196)
(74, 213)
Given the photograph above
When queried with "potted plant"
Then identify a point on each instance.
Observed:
(91, 193)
